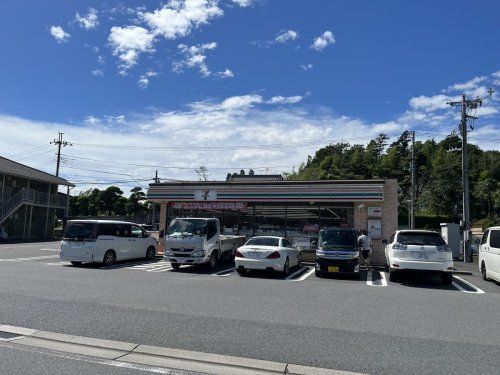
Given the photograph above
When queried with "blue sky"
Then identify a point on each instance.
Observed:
(198, 75)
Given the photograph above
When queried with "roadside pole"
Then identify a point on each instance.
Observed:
(412, 192)
(471, 104)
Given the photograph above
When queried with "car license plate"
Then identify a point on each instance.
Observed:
(75, 245)
(423, 257)
(254, 254)
(333, 269)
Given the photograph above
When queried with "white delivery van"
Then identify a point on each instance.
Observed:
(489, 254)
(105, 241)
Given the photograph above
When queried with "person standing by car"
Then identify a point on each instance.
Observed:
(365, 243)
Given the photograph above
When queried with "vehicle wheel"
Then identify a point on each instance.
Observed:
(213, 260)
(483, 272)
(446, 279)
(109, 258)
(76, 264)
(318, 273)
(386, 267)
(286, 267)
(175, 266)
(393, 277)
(299, 261)
(150, 253)
(241, 272)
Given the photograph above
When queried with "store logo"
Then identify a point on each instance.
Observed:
(205, 195)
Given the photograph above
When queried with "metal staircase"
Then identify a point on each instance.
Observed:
(17, 200)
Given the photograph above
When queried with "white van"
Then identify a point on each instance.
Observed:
(105, 241)
(489, 254)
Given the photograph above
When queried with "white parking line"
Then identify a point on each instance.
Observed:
(477, 290)
(58, 250)
(228, 270)
(306, 275)
(369, 279)
(295, 273)
(160, 268)
(28, 258)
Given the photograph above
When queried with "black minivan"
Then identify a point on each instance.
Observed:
(337, 251)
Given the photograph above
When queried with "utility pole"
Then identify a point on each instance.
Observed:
(465, 105)
(157, 181)
(413, 182)
(60, 143)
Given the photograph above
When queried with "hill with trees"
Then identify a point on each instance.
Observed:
(438, 170)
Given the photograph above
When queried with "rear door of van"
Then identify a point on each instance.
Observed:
(79, 241)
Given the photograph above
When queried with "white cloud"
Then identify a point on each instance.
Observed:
(430, 103)
(128, 42)
(467, 86)
(59, 34)
(306, 67)
(143, 81)
(285, 99)
(92, 120)
(225, 74)
(194, 57)
(323, 41)
(496, 74)
(287, 36)
(243, 3)
(88, 21)
(178, 18)
(97, 73)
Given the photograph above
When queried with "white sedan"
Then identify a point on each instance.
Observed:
(267, 253)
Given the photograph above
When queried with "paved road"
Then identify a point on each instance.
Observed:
(369, 325)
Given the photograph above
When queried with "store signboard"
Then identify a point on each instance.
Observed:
(205, 195)
(374, 211)
(237, 206)
(375, 229)
(311, 228)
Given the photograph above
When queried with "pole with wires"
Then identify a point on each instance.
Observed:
(60, 143)
(465, 105)
(413, 182)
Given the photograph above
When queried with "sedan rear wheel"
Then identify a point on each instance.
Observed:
(150, 253)
(392, 275)
(286, 267)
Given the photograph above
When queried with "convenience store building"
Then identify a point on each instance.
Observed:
(269, 205)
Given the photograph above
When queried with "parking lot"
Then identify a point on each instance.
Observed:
(367, 325)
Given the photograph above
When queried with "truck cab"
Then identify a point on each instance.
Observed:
(337, 251)
(193, 241)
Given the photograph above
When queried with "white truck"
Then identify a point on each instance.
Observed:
(197, 241)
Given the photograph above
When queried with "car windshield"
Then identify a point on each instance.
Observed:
(337, 238)
(79, 231)
(263, 241)
(420, 238)
(190, 227)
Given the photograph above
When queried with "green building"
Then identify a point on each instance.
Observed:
(30, 201)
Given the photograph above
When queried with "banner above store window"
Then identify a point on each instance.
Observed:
(238, 206)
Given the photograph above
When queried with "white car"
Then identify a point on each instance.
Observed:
(418, 250)
(489, 254)
(105, 241)
(267, 253)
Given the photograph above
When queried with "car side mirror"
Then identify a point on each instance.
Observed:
(385, 242)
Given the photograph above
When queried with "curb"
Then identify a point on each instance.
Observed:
(123, 352)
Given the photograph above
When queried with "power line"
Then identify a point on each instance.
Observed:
(169, 167)
(60, 143)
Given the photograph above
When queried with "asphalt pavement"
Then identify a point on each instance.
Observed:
(415, 326)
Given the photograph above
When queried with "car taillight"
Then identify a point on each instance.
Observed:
(273, 255)
(238, 254)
